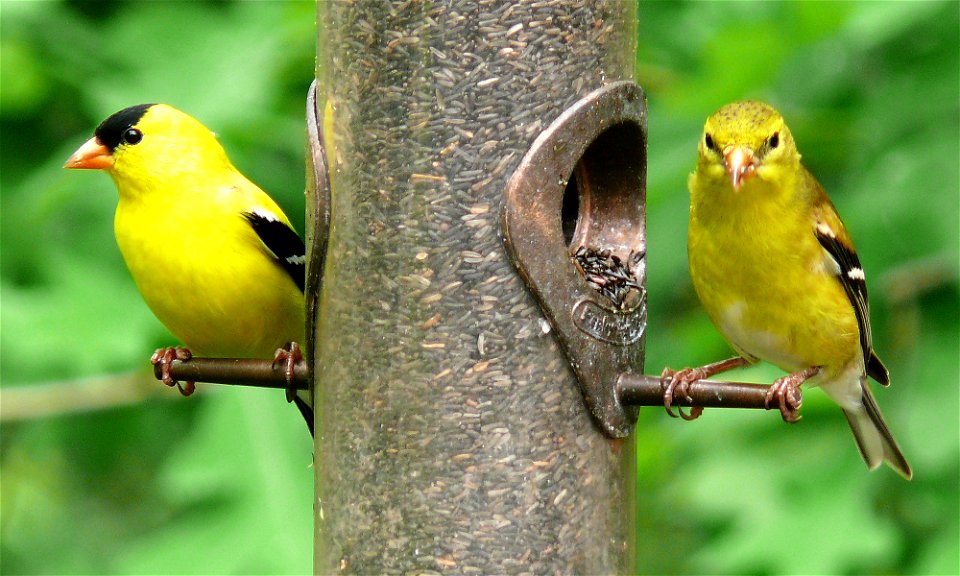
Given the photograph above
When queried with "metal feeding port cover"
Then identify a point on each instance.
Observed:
(574, 225)
(318, 211)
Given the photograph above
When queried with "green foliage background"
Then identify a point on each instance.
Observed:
(114, 474)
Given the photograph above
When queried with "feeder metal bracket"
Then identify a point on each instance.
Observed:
(594, 153)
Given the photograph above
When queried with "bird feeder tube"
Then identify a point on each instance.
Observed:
(452, 435)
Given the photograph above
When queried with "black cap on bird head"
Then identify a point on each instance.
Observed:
(110, 131)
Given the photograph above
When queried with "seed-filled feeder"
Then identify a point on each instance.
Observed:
(452, 433)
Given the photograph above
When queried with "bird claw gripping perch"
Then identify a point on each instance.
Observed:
(786, 391)
(165, 357)
(678, 382)
(289, 357)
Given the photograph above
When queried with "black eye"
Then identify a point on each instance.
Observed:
(708, 142)
(132, 136)
(774, 140)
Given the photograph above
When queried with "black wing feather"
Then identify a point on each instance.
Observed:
(284, 242)
(854, 283)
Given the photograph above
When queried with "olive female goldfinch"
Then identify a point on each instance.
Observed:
(212, 254)
(778, 274)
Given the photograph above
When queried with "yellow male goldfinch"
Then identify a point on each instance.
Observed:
(212, 254)
(778, 274)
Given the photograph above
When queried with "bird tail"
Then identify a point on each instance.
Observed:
(873, 437)
(305, 410)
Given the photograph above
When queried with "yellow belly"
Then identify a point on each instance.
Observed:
(213, 284)
(772, 303)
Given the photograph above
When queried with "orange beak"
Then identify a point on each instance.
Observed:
(91, 156)
(741, 165)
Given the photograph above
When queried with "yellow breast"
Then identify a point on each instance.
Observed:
(207, 276)
(760, 275)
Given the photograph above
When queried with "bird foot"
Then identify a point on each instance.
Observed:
(164, 357)
(289, 356)
(678, 383)
(787, 393)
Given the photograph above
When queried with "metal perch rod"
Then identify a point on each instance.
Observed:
(641, 390)
(238, 371)
(633, 389)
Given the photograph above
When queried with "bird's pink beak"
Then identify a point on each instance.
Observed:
(741, 164)
(91, 156)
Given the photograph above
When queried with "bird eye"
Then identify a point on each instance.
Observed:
(774, 140)
(708, 142)
(132, 136)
